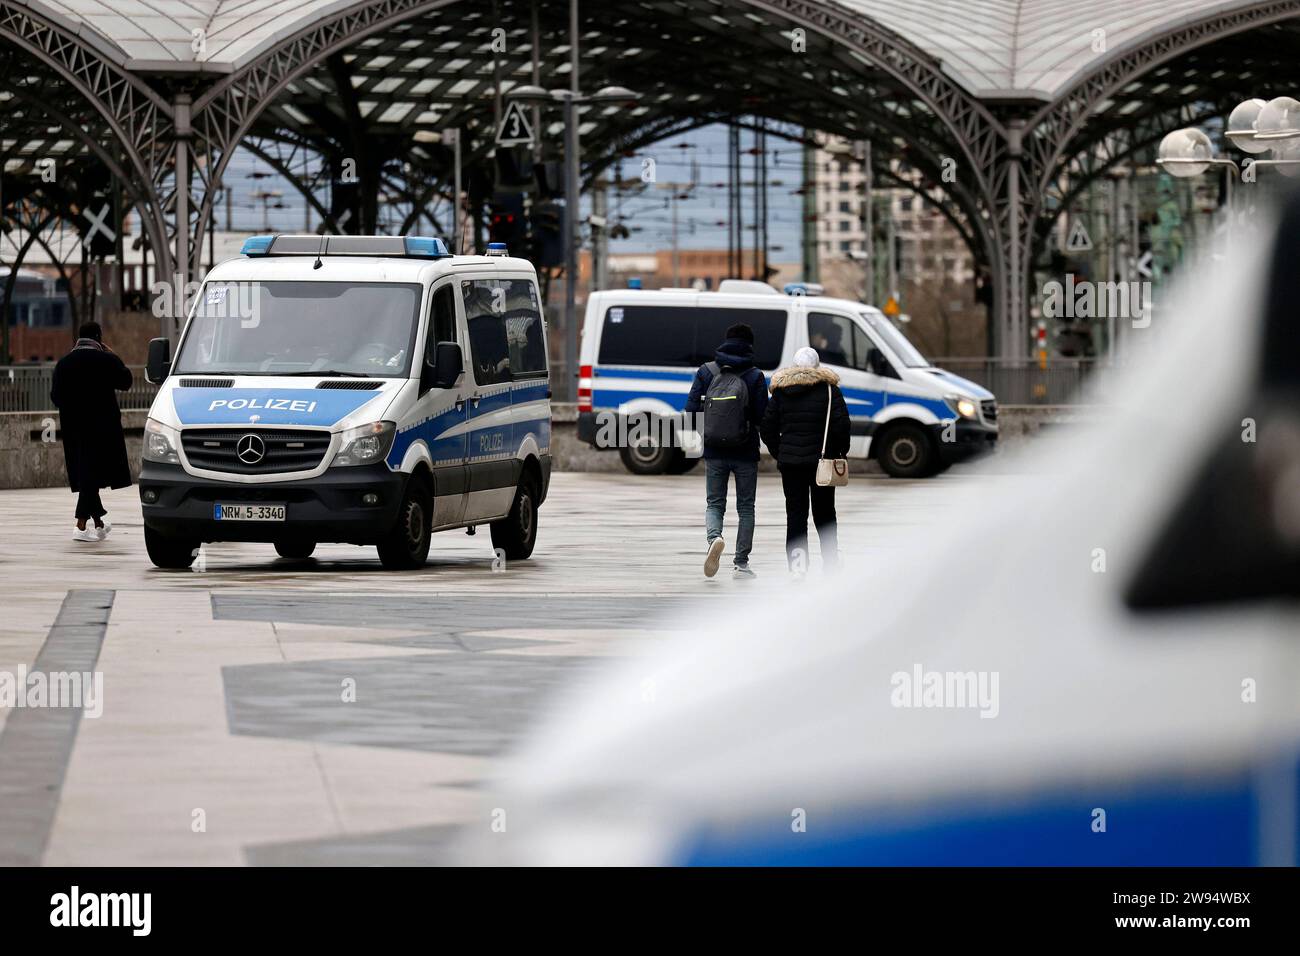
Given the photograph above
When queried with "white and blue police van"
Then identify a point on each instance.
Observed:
(361, 389)
(641, 348)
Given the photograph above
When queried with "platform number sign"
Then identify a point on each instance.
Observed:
(515, 130)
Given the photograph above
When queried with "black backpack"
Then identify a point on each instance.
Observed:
(726, 408)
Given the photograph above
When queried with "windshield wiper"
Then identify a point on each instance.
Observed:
(325, 373)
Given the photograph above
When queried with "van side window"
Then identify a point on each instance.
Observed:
(442, 319)
(507, 339)
(838, 340)
(768, 325)
(525, 330)
(685, 336)
(485, 318)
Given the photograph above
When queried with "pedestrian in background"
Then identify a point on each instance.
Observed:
(86, 381)
(793, 429)
(729, 396)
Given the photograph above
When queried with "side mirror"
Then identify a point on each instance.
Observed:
(878, 364)
(160, 361)
(448, 364)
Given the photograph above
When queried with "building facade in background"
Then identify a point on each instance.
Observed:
(933, 275)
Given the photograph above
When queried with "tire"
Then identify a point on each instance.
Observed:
(680, 464)
(649, 458)
(295, 550)
(173, 554)
(406, 545)
(907, 452)
(516, 533)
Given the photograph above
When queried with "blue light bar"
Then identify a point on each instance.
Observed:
(417, 247)
(802, 288)
(497, 249)
(257, 245)
(426, 246)
(634, 282)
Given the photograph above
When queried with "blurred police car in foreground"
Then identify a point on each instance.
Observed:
(1100, 667)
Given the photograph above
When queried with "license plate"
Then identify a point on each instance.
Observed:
(222, 512)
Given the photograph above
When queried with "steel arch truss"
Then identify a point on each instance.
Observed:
(920, 101)
(1081, 134)
(113, 113)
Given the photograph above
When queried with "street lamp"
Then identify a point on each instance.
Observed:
(1254, 127)
(570, 100)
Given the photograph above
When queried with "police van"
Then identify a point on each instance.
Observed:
(640, 350)
(360, 389)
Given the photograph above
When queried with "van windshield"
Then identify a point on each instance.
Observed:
(302, 328)
(887, 332)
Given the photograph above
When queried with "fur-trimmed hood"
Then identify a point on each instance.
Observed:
(799, 375)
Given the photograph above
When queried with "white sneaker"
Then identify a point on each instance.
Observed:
(716, 547)
(88, 535)
(103, 532)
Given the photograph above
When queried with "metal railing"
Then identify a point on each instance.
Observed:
(26, 388)
(1025, 382)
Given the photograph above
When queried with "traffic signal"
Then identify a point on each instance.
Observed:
(548, 233)
(506, 220)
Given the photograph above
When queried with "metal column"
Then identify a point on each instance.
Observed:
(171, 324)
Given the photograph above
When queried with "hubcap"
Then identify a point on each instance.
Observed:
(647, 451)
(526, 515)
(414, 524)
(905, 451)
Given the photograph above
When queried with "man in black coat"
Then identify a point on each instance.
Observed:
(94, 447)
(793, 429)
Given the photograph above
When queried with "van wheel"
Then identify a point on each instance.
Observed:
(680, 464)
(174, 554)
(907, 452)
(516, 533)
(295, 550)
(647, 458)
(406, 545)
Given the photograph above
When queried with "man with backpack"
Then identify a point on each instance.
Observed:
(729, 396)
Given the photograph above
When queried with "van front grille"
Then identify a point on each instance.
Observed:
(989, 409)
(218, 449)
(354, 386)
(207, 383)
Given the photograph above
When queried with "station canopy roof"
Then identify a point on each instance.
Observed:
(996, 49)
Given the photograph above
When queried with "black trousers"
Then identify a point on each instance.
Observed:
(88, 504)
(799, 482)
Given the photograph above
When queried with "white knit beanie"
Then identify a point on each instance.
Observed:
(807, 357)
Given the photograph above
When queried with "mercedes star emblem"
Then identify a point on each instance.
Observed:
(250, 449)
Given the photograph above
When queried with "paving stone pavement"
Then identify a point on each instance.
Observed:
(226, 737)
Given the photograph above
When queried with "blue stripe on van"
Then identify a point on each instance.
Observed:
(612, 398)
(441, 450)
(529, 391)
(611, 371)
(1157, 821)
(936, 405)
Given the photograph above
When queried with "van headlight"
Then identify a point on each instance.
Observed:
(161, 442)
(965, 407)
(366, 444)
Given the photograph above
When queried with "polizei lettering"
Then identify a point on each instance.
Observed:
(264, 404)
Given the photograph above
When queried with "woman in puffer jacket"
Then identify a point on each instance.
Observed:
(792, 430)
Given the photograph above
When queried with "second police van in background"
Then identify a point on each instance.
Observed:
(640, 350)
(359, 389)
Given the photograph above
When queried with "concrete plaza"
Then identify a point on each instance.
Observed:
(266, 711)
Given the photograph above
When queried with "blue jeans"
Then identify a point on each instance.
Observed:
(717, 471)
